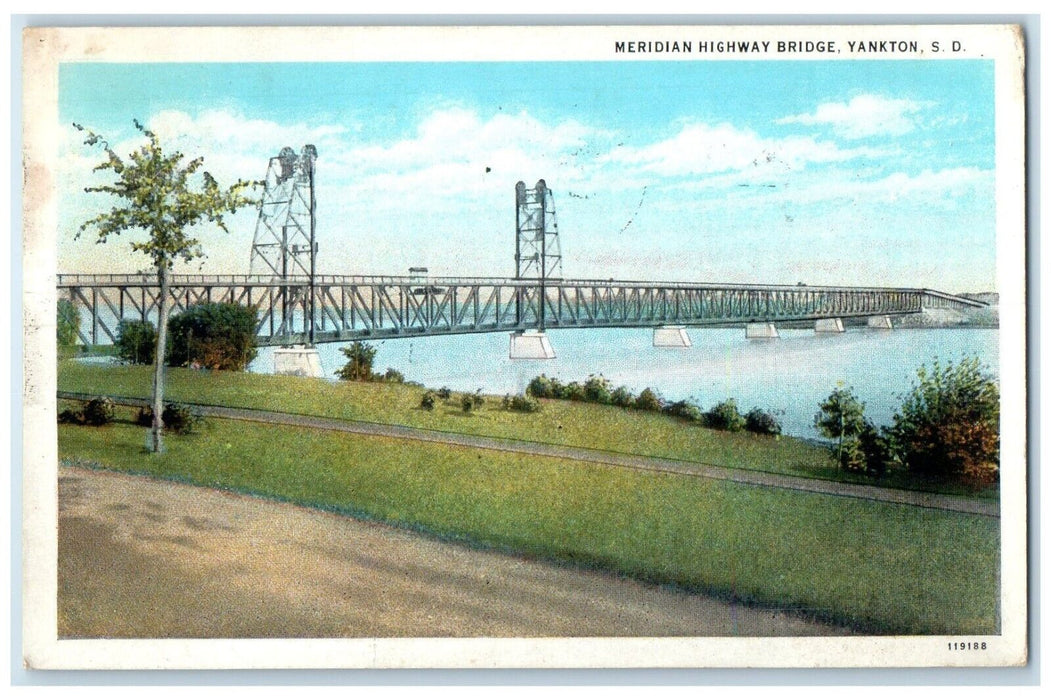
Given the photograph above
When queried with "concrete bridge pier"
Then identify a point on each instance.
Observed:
(882, 323)
(828, 325)
(671, 337)
(531, 345)
(298, 361)
(760, 331)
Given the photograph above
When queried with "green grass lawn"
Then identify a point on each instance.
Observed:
(560, 422)
(878, 567)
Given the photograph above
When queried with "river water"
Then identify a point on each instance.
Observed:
(790, 375)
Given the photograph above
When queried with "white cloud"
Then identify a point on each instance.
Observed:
(704, 149)
(863, 116)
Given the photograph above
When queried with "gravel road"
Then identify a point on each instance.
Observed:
(144, 558)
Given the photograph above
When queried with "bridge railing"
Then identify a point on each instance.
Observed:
(183, 280)
(347, 307)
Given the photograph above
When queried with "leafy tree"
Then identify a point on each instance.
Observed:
(136, 342)
(949, 425)
(359, 362)
(216, 335)
(842, 419)
(160, 194)
(66, 320)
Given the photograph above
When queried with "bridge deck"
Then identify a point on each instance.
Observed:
(353, 307)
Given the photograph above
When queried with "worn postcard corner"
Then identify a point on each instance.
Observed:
(504, 347)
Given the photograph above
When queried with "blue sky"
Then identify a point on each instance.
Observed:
(828, 172)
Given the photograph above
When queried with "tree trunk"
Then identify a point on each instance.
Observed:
(156, 445)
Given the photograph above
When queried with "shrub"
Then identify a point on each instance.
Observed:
(762, 422)
(70, 417)
(99, 411)
(541, 387)
(427, 401)
(875, 448)
(648, 400)
(685, 410)
(144, 417)
(622, 397)
(842, 419)
(177, 418)
(574, 391)
(725, 416)
(137, 342)
(477, 399)
(445, 393)
(66, 323)
(949, 425)
(213, 335)
(393, 376)
(597, 390)
(467, 403)
(359, 356)
(523, 404)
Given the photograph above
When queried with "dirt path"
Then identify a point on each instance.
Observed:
(140, 557)
(580, 454)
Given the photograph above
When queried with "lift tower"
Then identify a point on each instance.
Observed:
(538, 256)
(284, 244)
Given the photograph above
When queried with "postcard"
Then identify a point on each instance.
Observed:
(506, 347)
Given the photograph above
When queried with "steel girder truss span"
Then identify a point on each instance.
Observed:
(349, 308)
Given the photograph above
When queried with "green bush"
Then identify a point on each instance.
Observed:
(541, 387)
(597, 390)
(762, 422)
(67, 320)
(574, 391)
(622, 397)
(725, 416)
(842, 419)
(949, 424)
(137, 342)
(99, 411)
(649, 400)
(360, 356)
(393, 376)
(522, 404)
(685, 410)
(445, 393)
(467, 403)
(177, 418)
(875, 449)
(70, 417)
(427, 401)
(213, 335)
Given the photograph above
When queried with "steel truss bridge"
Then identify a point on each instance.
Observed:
(351, 308)
(296, 306)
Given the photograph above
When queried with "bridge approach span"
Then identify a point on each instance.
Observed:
(357, 307)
